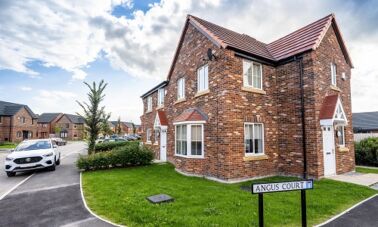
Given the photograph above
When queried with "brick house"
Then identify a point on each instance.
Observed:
(234, 108)
(46, 124)
(17, 122)
(70, 126)
(126, 127)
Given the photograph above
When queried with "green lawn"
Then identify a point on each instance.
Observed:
(7, 145)
(366, 170)
(119, 195)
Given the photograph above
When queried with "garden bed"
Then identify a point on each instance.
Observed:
(120, 196)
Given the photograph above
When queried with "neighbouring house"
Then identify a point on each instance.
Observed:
(234, 108)
(126, 127)
(17, 122)
(70, 126)
(47, 125)
(365, 125)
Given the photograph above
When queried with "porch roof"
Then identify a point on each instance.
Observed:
(192, 114)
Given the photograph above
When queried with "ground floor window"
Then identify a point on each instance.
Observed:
(148, 135)
(156, 134)
(190, 140)
(340, 134)
(253, 138)
(19, 134)
(63, 134)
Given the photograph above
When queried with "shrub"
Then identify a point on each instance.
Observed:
(367, 152)
(127, 155)
(107, 146)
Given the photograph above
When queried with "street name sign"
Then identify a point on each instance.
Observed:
(282, 186)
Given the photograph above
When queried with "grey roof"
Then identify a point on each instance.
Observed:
(76, 119)
(365, 121)
(10, 109)
(47, 117)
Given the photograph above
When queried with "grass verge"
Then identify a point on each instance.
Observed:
(366, 170)
(120, 196)
(7, 145)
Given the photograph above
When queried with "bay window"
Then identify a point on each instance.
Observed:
(189, 140)
(252, 74)
(254, 138)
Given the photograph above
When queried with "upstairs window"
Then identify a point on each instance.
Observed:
(252, 74)
(181, 88)
(253, 138)
(149, 103)
(161, 97)
(203, 78)
(333, 74)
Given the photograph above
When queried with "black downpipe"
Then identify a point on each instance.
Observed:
(301, 83)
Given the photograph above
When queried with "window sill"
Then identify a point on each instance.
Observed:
(200, 93)
(343, 149)
(159, 107)
(255, 157)
(149, 111)
(156, 143)
(254, 90)
(333, 87)
(189, 156)
(180, 101)
(148, 142)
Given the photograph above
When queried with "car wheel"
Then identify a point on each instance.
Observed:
(58, 162)
(52, 168)
(11, 174)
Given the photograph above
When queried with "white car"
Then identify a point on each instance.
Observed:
(32, 155)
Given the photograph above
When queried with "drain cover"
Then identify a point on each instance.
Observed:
(160, 198)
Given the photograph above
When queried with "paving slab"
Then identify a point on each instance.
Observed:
(365, 179)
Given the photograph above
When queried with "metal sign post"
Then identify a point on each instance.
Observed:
(261, 188)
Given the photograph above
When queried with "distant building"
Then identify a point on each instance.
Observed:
(47, 123)
(70, 127)
(17, 122)
(365, 122)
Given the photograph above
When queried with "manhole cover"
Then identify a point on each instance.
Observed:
(160, 198)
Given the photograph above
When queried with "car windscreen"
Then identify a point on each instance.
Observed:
(33, 145)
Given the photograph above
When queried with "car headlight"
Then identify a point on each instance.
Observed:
(8, 159)
(48, 155)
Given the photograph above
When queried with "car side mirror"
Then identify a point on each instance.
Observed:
(55, 146)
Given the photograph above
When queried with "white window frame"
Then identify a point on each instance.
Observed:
(342, 127)
(253, 136)
(181, 88)
(189, 139)
(333, 74)
(148, 135)
(245, 76)
(149, 103)
(161, 93)
(203, 78)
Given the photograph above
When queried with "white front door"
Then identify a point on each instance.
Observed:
(329, 150)
(163, 144)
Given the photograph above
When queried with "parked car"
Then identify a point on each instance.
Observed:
(132, 137)
(32, 155)
(59, 141)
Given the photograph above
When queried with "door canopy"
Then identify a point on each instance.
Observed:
(332, 111)
(160, 119)
(191, 115)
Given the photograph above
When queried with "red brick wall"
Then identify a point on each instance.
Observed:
(18, 126)
(63, 122)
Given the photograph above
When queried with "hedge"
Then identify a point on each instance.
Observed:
(129, 155)
(367, 152)
(107, 146)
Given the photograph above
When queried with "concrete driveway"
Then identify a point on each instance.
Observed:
(47, 198)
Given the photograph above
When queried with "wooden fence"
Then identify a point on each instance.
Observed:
(360, 136)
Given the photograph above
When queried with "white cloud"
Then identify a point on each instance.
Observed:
(70, 34)
(25, 88)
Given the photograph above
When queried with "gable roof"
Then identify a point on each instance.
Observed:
(328, 107)
(365, 121)
(304, 39)
(75, 118)
(47, 117)
(10, 109)
(127, 124)
(192, 114)
(162, 117)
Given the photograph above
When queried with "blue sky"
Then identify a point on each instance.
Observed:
(48, 48)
